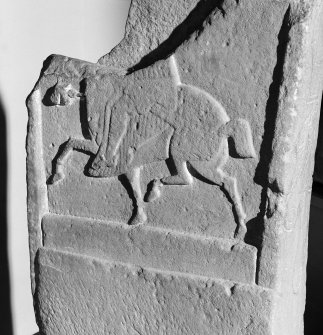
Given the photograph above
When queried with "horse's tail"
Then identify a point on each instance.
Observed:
(239, 131)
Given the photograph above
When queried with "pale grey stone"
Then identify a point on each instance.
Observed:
(152, 248)
(169, 184)
(82, 295)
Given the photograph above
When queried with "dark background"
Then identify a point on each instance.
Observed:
(5, 304)
(314, 295)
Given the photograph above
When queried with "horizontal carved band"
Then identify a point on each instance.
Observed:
(152, 247)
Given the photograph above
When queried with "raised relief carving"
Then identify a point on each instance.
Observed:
(63, 94)
(149, 116)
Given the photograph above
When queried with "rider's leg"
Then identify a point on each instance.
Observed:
(117, 131)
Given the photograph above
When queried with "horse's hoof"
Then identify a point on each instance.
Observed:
(93, 172)
(56, 178)
(111, 162)
(174, 180)
(240, 232)
(138, 219)
(155, 191)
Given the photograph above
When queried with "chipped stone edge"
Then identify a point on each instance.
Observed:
(283, 254)
(283, 176)
(37, 201)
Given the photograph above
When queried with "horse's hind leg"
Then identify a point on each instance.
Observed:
(217, 176)
(134, 179)
(71, 144)
(230, 186)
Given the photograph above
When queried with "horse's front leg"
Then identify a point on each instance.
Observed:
(88, 146)
(133, 177)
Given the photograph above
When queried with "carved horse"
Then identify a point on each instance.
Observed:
(149, 116)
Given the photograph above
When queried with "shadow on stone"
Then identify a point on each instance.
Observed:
(255, 226)
(192, 24)
(6, 316)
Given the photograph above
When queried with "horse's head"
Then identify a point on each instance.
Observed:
(64, 94)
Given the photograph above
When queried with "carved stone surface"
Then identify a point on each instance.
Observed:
(169, 184)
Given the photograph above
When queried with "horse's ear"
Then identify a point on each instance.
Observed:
(240, 133)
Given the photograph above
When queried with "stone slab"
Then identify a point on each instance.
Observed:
(81, 295)
(153, 248)
(187, 151)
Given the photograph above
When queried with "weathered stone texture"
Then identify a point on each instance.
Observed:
(78, 295)
(169, 184)
(152, 248)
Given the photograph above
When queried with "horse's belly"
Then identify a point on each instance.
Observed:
(195, 145)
